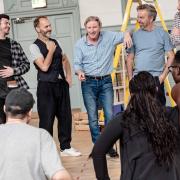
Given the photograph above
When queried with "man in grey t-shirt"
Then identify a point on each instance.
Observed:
(27, 153)
(150, 44)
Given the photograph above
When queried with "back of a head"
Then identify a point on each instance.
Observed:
(146, 114)
(143, 92)
(142, 82)
(19, 102)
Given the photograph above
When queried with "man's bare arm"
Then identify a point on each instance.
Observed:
(42, 63)
(67, 68)
(170, 59)
(129, 65)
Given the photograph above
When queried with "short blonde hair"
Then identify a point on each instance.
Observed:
(93, 18)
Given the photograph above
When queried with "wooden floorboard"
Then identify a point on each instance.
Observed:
(81, 168)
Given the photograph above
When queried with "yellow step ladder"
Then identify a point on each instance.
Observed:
(119, 49)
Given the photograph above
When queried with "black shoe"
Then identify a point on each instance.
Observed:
(113, 153)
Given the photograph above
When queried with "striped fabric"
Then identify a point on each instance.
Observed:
(20, 63)
(96, 60)
(176, 23)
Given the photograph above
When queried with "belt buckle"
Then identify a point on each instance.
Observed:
(98, 77)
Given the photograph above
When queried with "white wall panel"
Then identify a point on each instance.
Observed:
(109, 11)
(1, 6)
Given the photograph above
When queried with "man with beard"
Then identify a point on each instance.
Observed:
(150, 43)
(53, 86)
(13, 64)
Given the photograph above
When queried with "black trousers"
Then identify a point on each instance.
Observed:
(2, 114)
(160, 92)
(2, 102)
(53, 100)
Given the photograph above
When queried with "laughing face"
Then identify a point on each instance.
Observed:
(93, 29)
(4, 26)
(178, 6)
(44, 28)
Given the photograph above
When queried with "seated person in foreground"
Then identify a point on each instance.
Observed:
(148, 140)
(27, 153)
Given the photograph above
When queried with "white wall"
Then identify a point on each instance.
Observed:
(1, 6)
(110, 10)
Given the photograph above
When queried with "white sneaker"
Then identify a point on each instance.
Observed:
(70, 152)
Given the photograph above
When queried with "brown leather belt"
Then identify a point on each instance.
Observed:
(97, 77)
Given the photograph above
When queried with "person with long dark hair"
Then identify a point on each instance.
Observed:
(148, 140)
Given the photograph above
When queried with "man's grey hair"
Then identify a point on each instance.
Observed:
(150, 8)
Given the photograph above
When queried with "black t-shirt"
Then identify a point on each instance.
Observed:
(5, 53)
(5, 60)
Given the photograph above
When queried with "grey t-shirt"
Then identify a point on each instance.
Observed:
(34, 52)
(149, 49)
(27, 153)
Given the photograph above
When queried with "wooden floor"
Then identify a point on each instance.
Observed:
(81, 168)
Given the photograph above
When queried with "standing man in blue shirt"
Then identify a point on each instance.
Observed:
(150, 43)
(93, 59)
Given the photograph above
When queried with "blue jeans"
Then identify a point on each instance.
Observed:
(95, 92)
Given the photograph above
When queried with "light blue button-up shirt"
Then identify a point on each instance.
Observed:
(96, 60)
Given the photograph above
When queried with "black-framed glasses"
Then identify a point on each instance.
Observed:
(170, 68)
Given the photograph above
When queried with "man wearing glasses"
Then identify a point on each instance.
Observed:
(175, 67)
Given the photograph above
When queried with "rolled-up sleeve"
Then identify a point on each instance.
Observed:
(118, 37)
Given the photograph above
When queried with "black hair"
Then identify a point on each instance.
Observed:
(5, 16)
(177, 57)
(145, 113)
(19, 102)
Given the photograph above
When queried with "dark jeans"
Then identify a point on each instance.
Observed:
(95, 92)
(53, 100)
